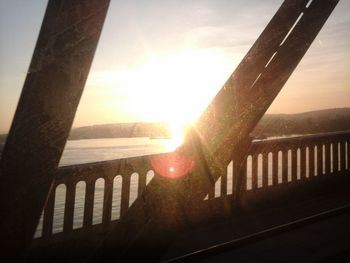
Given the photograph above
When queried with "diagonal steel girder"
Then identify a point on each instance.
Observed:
(55, 81)
(220, 135)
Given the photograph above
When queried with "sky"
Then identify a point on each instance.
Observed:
(162, 60)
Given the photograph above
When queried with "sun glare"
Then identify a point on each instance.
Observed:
(174, 88)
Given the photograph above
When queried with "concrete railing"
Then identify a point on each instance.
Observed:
(96, 195)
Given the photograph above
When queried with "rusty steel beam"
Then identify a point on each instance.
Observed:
(256, 82)
(220, 135)
(56, 77)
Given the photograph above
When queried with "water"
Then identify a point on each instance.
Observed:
(94, 150)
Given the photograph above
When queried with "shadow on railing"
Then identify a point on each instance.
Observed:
(100, 193)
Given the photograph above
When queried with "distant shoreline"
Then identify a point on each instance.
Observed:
(271, 125)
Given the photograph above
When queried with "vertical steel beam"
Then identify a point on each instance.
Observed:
(56, 77)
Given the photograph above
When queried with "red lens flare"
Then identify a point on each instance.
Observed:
(172, 165)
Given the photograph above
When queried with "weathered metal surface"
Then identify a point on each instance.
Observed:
(222, 132)
(44, 115)
(256, 82)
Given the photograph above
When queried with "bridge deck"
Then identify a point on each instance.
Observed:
(312, 241)
(324, 241)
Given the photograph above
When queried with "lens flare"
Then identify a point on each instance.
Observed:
(172, 165)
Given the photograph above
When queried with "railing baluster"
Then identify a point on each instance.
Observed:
(335, 157)
(229, 179)
(348, 154)
(265, 172)
(69, 208)
(89, 203)
(319, 159)
(342, 155)
(107, 201)
(248, 172)
(302, 163)
(254, 171)
(223, 187)
(217, 188)
(275, 168)
(142, 182)
(48, 213)
(285, 166)
(294, 165)
(125, 194)
(211, 193)
(328, 158)
(311, 161)
(239, 179)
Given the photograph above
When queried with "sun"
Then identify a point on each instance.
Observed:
(174, 88)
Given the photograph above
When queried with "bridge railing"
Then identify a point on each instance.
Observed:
(95, 193)
(98, 194)
(296, 160)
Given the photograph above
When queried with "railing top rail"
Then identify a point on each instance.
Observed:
(342, 134)
(134, 161)
(108, 162)
(104, 169)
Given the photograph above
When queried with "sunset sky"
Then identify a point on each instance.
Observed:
(160, 60)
